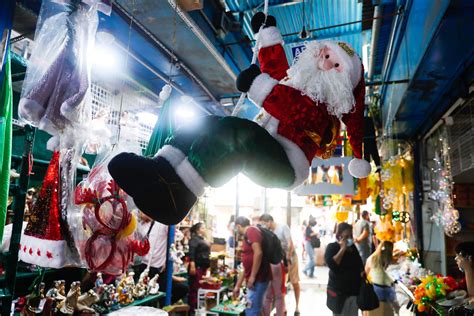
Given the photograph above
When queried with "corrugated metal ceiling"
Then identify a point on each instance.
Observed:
(319, 14)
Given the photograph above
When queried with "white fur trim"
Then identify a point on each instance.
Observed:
(30, 110)
(295, 155)
(297, 160)
(52, 253)
(261, 88)
(353, 63)
(172, 154)
(191, 178)
(359, 168)
(269, 36)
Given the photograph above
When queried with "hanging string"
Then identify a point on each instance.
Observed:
(173, 57)
(123, 81)
(255, 49)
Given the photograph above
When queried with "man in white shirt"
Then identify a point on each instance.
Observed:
(156, 257)
(274, 291)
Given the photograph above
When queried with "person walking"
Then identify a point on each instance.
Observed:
(257, 273)
(362, 236)
(276, 290)
(199, 262)
(311, 238)
(375, 269)
(345, 273)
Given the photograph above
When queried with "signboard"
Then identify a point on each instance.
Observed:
(297, 50)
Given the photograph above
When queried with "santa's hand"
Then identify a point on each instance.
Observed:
(259, 19)
(246, 78)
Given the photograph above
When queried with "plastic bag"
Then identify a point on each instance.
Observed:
(58, 75)
(105, 227)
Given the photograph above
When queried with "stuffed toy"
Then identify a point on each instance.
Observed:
(302, 107)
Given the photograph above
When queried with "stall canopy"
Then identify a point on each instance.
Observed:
(431, 51)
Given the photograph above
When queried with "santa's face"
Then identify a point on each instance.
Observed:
(320, 73)
(328, 59)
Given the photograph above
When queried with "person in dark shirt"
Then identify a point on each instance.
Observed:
(345, 273)
(199, 251)
(309, 247)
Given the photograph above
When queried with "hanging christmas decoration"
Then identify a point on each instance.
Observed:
(302, 109)
(105, 229)
(446, 217)
(45, 241)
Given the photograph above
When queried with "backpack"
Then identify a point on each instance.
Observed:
(271, 246)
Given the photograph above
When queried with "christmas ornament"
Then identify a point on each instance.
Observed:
(44, 241)
(107, 236)
(303, 107)
(446, 216)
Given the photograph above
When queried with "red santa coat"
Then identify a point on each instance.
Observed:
(304, 127)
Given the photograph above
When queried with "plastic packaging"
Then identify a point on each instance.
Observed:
(58, 75)
(105, 227)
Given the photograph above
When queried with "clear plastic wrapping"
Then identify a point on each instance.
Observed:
(58, 75)
(105, 226)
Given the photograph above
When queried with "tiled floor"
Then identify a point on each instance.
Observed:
(313, 296)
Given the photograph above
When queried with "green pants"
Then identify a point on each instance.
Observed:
(221, 147)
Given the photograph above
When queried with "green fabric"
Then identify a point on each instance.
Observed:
(229, 145)
(163, 129)
(6, 102)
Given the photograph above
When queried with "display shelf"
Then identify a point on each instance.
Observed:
(24, 275)
(147, 300)
(233, 310)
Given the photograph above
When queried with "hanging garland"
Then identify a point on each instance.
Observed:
(446, 216)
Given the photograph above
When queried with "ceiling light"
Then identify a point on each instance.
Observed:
(303, 34)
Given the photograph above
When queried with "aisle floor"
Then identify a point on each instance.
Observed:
(313, 296)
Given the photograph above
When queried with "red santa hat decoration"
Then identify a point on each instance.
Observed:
(44, 240)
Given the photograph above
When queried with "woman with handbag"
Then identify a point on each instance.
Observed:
(375, 269)
(345, 270)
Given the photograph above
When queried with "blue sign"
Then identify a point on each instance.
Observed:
(297, 50)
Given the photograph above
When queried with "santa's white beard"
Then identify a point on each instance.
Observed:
(331, 87)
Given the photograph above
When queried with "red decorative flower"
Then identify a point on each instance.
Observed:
(49, 255)
(31, 251)
(38, 252)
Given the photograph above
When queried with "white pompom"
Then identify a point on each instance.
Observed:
(359, 168)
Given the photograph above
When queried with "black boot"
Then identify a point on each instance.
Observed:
(246, 78)
(154, 186)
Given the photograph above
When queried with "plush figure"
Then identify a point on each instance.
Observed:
(302, 107)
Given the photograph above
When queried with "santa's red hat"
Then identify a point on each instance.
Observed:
(44, 240)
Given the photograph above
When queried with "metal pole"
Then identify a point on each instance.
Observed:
(169, 266)
(288, 208)
(237, 213)
(418, 199)
(264, 204)
(18, 209)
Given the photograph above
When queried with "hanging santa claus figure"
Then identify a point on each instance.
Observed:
(302, 109)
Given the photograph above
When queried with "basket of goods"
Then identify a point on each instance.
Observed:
(210, 283)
